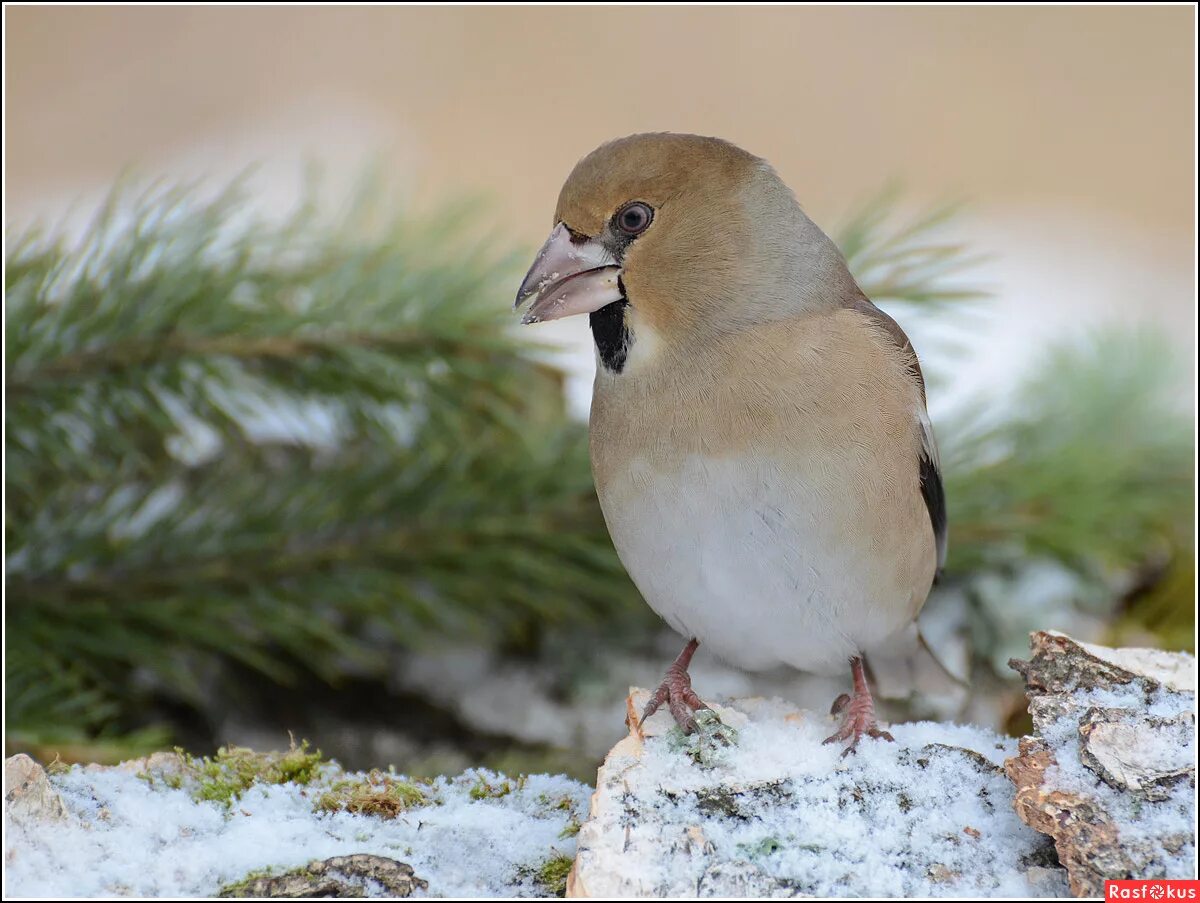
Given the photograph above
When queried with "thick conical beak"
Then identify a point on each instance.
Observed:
(568, 278)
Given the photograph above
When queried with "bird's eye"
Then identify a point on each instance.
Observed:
(633, 218)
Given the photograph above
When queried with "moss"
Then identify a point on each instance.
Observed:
(561, 804)
(58, 766)
(571, 829)
(247, 885)
(234, 769)
(484, 790)
(379, 794)
(551, 875)
(170, 779)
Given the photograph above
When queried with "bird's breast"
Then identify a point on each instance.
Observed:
(773, 512)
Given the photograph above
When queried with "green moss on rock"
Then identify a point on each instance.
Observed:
(485, 790)
(379, 794)
(551, 875)
(223, 778)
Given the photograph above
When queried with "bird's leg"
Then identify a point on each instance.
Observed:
(676, 691)
(857, 711)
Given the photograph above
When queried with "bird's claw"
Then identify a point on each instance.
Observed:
(676, 691)
(858, 718)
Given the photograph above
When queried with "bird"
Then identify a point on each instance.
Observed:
(759, 437)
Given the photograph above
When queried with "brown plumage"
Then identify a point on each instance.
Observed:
(758, 431)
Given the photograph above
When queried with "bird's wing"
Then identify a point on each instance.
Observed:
(930, 463)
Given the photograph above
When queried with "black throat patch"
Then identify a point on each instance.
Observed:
(612, 336)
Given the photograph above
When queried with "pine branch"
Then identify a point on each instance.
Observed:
(1052, 476)
(284, 445)
(908, 261)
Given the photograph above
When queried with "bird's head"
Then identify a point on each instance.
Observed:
(670, 237)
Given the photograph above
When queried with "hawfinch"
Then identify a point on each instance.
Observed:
(759, 438)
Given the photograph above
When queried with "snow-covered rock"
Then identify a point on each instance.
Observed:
(754, 806)
(774, 812)
(1109, 771)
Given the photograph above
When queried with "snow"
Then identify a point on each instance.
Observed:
(133, 839)
(1140, 821)
(910, 818)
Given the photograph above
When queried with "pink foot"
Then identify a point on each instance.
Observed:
(858, 713)
(676, 691)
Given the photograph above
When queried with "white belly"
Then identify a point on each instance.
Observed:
(759, 567)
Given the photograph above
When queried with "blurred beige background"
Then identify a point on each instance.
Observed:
(1070, 129)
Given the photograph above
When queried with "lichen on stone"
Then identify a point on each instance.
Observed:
(707, 745)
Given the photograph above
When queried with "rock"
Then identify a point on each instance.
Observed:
(339, 876)
(155, 765)
(1047, 881)
(763, 808)
(27, 792)
(1060, 664)
(1108, 772)
(1138, 753)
